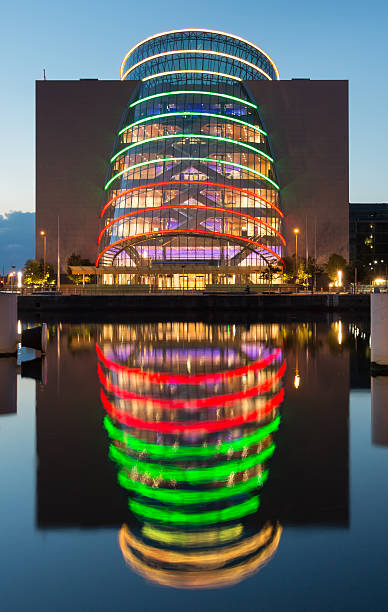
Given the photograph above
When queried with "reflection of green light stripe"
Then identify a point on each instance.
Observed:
(179, 496)
(191, 475)
(180, 114)
(194, 92)
(169, 452)
(196, 539)
(183, 518)
(200, 159)
(205, 136)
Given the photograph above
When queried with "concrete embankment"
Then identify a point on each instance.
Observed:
(168, 306)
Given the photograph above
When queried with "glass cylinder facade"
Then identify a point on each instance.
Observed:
(192, 413)
(192, 180)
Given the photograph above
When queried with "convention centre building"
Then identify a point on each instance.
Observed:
(195, 168)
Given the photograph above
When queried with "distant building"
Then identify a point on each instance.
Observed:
(368, 235)
(195, 167)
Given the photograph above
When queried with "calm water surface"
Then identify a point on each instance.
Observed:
(196, 466)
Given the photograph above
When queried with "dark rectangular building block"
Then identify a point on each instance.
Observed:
(307, 123)
(76, 124)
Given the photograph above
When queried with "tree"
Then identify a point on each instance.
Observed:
(76, 260)
(33, 272)
(288, 274)
(334, 264)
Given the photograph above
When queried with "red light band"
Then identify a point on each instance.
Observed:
(186, 182)
(193, 404)
(186, 231)
(195, 379)
(195, 206)
(181, 428)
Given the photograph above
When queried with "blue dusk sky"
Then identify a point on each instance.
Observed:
(76, 39)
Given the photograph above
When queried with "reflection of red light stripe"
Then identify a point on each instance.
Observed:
(196, 379)
(204, 402)
(197, 426)
(231, 187)
(195, 206)
(157, 233)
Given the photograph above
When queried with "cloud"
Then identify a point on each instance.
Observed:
(17, 239)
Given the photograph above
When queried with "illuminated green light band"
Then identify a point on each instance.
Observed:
(180, 114)
(181, 497)
(195, 518)
(201, 159)
(206, 136)
(184, 452)
(192, 475)
(182, 92)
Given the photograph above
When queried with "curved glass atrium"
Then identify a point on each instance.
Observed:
(192, 197)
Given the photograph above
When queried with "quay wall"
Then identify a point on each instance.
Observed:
(168, 307)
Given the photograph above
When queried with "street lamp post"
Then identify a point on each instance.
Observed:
(43, 233)
(296, 232)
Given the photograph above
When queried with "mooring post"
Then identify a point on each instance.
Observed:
(379, 411)
(379, 332)
(8, 323)
(379, 368)
(8, 385)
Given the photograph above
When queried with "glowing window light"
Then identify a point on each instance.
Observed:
(169, 72)
(200, 30)
(195, 379)
(195, 404)
(201, 159)
(156, 233)
(184, 498)
(192, 475)
(197, 539)
(204, 136)
(297, 381)
(180, 452)
(191, 113)
(195, 518)
(209, 558)
(185, 427)
(181, 92)
(228, 211)
(221, 54)
(251, 194)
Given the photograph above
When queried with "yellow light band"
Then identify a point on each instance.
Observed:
(234, 58)
(222, 74)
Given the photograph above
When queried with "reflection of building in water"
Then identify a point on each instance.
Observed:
(192, 410)
(77, 484)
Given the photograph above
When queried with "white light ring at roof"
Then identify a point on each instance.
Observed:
(206, 31)
(201, 52)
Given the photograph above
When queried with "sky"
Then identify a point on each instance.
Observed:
(339, 39)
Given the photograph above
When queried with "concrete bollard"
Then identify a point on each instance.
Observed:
(379, 410)
(8, 323)
(379, 328)
(8, 386)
